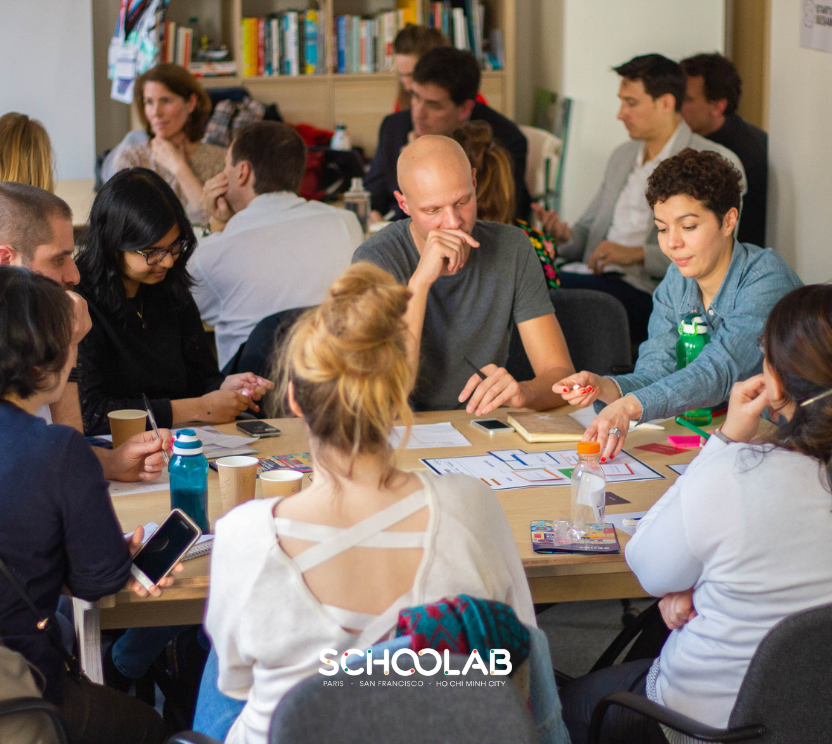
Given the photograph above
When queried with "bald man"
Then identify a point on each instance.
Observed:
(471, 282)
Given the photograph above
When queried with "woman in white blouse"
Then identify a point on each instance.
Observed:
(331, 566)
(741, 540)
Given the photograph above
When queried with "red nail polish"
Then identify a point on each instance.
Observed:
(612, 457)
(565, 390)
(583, 391)
(590, 389)
(603, 459)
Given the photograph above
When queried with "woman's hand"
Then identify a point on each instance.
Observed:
(222, 406)
(168, 155)
(677, 609)
(617, 415)
(579, 389)
(745, 407)
(139, 458)
(250, 385)
(134, 544)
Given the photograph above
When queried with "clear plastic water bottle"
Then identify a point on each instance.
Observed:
(693, 335)
(341, 139)
(357, 200)
(589, 487)
(189, 478)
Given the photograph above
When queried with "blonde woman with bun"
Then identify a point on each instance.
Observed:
(288, 575)
(25, 152)
(495, 190)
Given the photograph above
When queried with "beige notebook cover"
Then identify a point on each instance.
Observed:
(545, 427)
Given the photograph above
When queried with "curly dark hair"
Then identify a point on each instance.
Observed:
(702, 175)
(721, 78)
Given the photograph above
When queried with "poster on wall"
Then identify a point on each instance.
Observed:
(816, 25)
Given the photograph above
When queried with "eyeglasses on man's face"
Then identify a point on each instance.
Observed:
(154, 256)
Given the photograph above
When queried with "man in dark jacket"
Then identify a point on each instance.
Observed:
(445, 86)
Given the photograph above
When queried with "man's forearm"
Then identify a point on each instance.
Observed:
(414, 319)
(538, 392)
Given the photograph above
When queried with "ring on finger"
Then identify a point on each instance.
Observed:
(615, 431)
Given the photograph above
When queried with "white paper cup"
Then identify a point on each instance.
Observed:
(280, 482)
(126, 423)
(238, 476)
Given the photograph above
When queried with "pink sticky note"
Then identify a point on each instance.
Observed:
(685, 442)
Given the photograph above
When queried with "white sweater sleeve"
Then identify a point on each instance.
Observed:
(660, 554)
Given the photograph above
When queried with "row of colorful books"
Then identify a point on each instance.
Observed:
(290, 43)
(176, 44)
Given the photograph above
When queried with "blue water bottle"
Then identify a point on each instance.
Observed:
(189, 478)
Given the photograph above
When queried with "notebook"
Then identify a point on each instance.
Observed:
(543, 540)
(545, 427)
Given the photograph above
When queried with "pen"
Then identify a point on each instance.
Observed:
(153, 424)
(692, 427)
(474, 367)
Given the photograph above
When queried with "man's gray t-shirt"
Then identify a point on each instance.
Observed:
(469, 314)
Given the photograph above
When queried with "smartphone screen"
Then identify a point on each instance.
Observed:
(492, 424)
(165, 547)
(260, 428)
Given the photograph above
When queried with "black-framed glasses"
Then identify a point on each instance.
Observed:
(154, 256)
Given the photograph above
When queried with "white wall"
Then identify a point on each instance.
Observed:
(46, 64)
(598, 34)
(800, 151)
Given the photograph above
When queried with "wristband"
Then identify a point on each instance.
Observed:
(74, 375)
(723, 437)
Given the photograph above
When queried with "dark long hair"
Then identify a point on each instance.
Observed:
(797, 341)
(134, 210)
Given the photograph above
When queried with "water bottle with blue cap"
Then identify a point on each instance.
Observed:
(189, 478)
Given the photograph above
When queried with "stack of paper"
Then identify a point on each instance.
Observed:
(216, 444)
(428, 436)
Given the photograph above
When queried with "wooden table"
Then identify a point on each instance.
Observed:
(552, 578)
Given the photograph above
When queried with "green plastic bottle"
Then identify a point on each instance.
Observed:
(693, 335)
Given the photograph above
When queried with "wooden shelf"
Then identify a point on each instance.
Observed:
(360, 100)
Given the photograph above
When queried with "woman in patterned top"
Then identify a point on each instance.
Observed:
(174, 108)
(495, 190)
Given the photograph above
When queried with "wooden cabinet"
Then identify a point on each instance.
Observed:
(361, 101)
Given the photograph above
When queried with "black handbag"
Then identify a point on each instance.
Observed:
(45, 624)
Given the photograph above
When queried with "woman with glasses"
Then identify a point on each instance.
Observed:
(147, 336)
(740, 541)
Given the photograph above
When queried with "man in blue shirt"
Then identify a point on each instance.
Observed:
(695, 197)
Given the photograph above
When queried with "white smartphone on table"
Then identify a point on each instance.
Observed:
(492, 426)
(165, 548)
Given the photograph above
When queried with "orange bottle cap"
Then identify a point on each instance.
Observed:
(589, 448)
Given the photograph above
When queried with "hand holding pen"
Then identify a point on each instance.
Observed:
(490, 387)
(152, 420)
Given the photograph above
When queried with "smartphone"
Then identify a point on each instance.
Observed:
(492, 426)
(165, 548)
(258, 429)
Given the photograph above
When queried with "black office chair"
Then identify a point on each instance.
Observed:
(596, 330)
(783, 698)
(257, 353)
(397, 715)
(36, 705)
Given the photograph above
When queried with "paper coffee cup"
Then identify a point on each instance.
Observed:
(238, 475)
(280, 482)
(126, 423)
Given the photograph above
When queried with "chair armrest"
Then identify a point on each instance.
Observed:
(36, 705)
(669, 718)
(191, 737)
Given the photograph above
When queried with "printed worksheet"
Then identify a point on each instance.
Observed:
(506, 469)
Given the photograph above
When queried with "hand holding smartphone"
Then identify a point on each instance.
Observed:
(165, 548)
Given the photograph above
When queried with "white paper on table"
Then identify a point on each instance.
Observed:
(426, 436)
(216, 444)
(162, 483)
(617, 520)
(680, 469)
(617, 468)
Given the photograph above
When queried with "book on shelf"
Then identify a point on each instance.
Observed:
(290, 43)
(184, 39)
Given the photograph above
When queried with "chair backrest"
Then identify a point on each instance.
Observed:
(596, 330)
(387, 712)
(788, 682)
(257, 353)
(542, 161)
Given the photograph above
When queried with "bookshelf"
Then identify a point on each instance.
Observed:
(360, 100)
